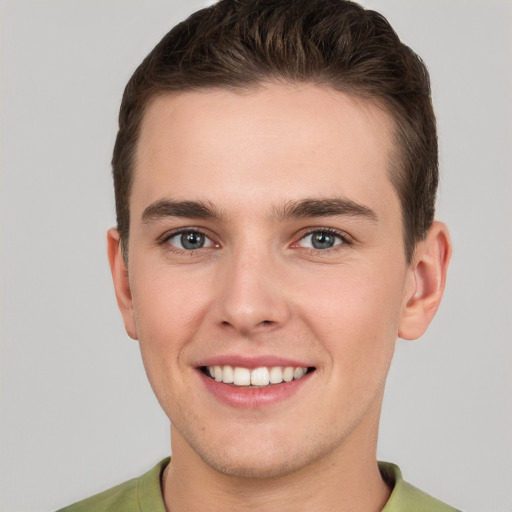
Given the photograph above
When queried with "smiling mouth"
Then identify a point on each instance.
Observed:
(256, 377)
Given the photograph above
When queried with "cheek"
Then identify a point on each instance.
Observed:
(167, 311)
(355, 314)
(166, 303)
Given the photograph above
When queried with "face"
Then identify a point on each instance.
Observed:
(266, 273)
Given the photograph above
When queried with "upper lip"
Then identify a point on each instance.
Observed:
(252, 361)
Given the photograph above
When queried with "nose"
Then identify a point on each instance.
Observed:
(252, 296)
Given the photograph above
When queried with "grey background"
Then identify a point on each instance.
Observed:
(77, 414)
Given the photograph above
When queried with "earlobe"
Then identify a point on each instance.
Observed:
(426, 282)
(121, 281)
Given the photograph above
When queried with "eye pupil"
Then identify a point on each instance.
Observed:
(322, 240)
(192, 240)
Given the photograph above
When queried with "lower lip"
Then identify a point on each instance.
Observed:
(253, 398)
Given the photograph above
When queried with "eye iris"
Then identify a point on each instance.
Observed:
(322, 240)
(192, 240)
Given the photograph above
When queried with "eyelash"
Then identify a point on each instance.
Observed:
(346, 240)
(164, 240)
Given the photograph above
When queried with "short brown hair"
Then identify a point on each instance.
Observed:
(239, 44)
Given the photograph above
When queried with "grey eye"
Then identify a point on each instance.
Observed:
(190, 240)
(321, 240)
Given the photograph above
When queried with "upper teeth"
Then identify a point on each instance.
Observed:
(262, 376)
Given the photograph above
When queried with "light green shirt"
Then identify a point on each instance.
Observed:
(144, 494)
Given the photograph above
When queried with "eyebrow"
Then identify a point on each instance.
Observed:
(304, 208)
(191, 209)
(324, 208)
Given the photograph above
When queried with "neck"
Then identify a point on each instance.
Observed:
(345, 479)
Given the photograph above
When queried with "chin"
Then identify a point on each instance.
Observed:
(260, 460)
(273, 466)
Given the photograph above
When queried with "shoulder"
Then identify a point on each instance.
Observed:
(405, 497)
(120, 497)
(136, 495)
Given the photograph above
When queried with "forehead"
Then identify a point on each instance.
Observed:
(280, 140)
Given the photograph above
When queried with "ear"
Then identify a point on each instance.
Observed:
(425, 282)
(121, 282)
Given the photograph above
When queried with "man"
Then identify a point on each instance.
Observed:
(275, 174)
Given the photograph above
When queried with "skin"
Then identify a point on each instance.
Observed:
(259, 288)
